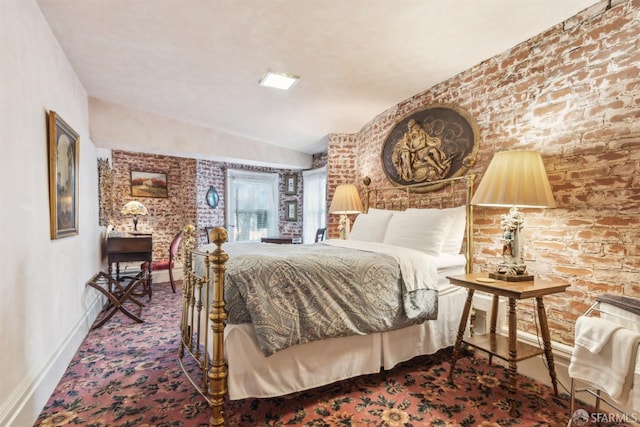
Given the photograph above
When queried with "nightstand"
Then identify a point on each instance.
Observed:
(507, 348)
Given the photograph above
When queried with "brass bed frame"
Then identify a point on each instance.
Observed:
(198, 317)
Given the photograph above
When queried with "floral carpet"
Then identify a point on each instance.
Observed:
(127, 374)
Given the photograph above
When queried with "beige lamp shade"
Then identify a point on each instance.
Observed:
(346, 200)
(134, 207)
(515, 178)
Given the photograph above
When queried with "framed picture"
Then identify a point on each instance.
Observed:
(148, 184)
(290, 184)
(291, 210)
(64, 158)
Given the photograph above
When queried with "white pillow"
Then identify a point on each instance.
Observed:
(381, 211)
(370, 228)
(424, 230)
(453, 241)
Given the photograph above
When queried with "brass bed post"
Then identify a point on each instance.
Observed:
(218, 372)
(188, 245)
(367, 193)
(468, 250)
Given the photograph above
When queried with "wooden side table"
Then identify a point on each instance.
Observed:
(506, 348)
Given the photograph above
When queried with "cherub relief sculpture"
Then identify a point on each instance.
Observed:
(436, 143)
(418, 157)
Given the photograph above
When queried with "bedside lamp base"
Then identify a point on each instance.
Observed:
(511, 273)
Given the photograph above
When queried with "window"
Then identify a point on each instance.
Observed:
(314, 203)
(252, 208)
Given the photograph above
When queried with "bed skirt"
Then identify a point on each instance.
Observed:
(319, 363)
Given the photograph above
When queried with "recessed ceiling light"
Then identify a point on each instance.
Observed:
(278, 80)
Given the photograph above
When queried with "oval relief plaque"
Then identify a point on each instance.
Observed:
(438, 142)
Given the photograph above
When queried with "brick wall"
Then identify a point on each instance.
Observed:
(572, 93)
(319, 160)
(341, 169)
(210, 174)
(188, 183)
(166, 216)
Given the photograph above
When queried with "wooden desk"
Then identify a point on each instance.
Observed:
(506, 348)
(130, 249)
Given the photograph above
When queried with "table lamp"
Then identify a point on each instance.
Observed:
(346, 200)
(514, 179)
(136, 209)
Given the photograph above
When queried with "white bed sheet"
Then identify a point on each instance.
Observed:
(323, 362)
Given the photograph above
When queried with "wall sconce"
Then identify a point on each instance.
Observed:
(136, 209)
(514, 179)
(346, 200)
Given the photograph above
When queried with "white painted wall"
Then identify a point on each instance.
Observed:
(43, 297)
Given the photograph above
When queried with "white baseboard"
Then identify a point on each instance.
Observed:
(29, 397)
(26, 402)
(161, 276)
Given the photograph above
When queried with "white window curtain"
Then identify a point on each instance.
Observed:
(314, 202)
(252, 205)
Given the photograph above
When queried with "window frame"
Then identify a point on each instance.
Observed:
(313, 218)
(241, 176)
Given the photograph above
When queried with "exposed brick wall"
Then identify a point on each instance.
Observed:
(341, 169)
(319, 160)
(572, 93)
(210, 174)
(188, 183)
(166, 215)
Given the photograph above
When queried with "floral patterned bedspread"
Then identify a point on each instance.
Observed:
(294, 294)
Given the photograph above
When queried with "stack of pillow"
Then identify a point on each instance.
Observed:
(432, 231)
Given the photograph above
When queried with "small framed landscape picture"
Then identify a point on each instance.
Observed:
(291, 210)
(148, 184)
(290, 185)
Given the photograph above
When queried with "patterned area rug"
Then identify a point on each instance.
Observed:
(127, 374)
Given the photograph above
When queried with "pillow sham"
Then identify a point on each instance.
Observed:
(453, 241)
(424, 230)
(370, 227)
(377, 211)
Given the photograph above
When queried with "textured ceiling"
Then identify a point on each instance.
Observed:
(199, 61)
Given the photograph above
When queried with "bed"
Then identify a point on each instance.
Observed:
(277, 335)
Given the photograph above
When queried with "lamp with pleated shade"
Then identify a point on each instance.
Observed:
(346, 200)
(514, 179)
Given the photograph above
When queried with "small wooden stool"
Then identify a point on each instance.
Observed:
(117, 295)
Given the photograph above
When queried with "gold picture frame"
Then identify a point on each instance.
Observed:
(64, 182)
(149, 184)
(290, 185)
(291, 210)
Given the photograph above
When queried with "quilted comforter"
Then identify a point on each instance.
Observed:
(294, 294)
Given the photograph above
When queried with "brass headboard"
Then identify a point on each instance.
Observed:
(451, 192)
